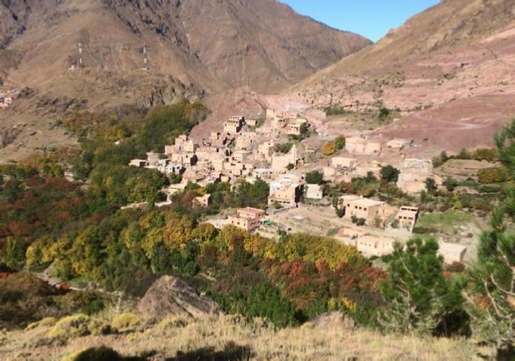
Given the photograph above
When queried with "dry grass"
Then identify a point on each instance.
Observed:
(308, 342)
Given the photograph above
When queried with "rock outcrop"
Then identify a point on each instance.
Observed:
(334, 321)
(170, 296)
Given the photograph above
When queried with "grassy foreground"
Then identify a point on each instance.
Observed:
(217, 338)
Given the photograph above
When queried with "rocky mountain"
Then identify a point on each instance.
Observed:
(212, 44)
(450, 70)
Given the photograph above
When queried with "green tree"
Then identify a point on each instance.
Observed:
(464, 154)
(440, 160)
(450, 184)
(314, 177)
(492, 286)
(384, 113)
(266, 301)
(431, 185)
(340, 142)
(390, 174)
(419, 298)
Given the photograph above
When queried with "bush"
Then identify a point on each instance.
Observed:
(334, 110)
(283, 148)
(329, 148)
(99, 328)
(440, 160)
(70, 327)
(125, 321)
(340, 142)
(492, 175)
(101, 353)
(314, 177)
(390, 174)
(490, 155)
(172, 322)
(46, 322)
(464, 154)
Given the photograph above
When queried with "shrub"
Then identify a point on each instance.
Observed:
(70, 327)
(390, 174)
(283, 148)
(46, 322)
(172, 322)
(464, 154)
(329, 148)
(361, 222)
(490, 155)
(99, 328)
(101, 353)
(440, 160)
(340, 142)
(334, 110)
(314, 177)
(492, 175)
(126, 320)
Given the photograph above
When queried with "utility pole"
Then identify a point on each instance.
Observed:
(145, 59)
(80, 56)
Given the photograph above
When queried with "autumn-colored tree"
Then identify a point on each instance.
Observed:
(178, 232)
(492, 175)
(329, 148)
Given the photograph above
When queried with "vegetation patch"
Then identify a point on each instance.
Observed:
(446, 223)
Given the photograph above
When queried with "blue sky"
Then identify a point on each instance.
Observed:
(370, 18)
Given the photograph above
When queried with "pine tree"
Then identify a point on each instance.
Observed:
(491, 294)
(419, 298)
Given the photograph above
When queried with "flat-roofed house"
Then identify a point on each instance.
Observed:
(280, 162)
(153, 159)
(202, 202)
(361, 145)
(452, 252)
(251, 122)
(314, 191)
(373, 212)
(375, 246)
(140, 163)
(286, 196)
(407, 217)
(234, 124)
(266, 150)
(294, 128)
(248, 218)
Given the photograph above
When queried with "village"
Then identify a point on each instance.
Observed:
(277, 150)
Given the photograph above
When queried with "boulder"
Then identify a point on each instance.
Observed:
(171, 296)
(334, 320)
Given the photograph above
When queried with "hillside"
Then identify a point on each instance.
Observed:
(448, 69)
(193, 47)
(229, 338)
(262, 44)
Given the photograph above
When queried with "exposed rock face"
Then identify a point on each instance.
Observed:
(172, 296)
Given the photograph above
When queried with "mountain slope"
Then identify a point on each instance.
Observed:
(451, 62)
(449, 24)
(194, 47)
(215, 44)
